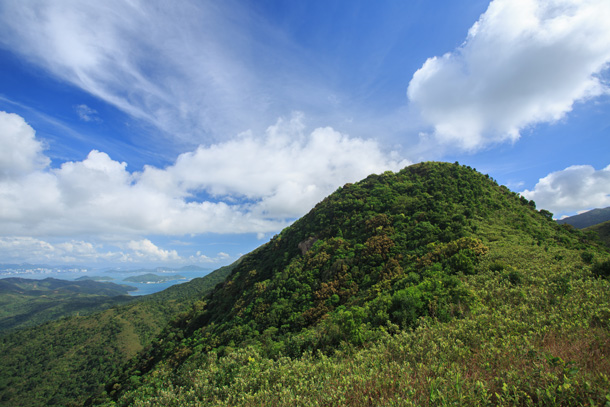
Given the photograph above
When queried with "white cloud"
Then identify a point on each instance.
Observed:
(147, 249)
(20, 153)
(202, 258)
(577, 188)
(87, 114)
(35, 250)
(524, 62)
(285, 173)
(189, 68)
(15, 248)
(245, 185)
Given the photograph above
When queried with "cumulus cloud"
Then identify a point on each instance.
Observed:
(245, 185)
(283, 174)
(36, 250)
(147, 249)
(202, 258)
(523, 62)
(21, 153)
(32, 249)
(574, 189)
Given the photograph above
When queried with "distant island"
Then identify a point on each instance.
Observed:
(94, 278)
(188, 268)
(150, 278)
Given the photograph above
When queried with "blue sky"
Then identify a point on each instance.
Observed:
(141, 133)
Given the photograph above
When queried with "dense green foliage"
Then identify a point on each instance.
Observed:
(26, 302)
(587, 219)
(431, 286)
(64, 362)
(602, 230)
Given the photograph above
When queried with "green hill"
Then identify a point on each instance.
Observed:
(587, 219)
(431, 286)
(64, 362)
(28, 302)
(602, 230)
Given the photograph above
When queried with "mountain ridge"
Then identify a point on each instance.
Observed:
(587, 219)
(392, 254)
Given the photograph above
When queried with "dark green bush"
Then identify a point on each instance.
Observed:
(601, 269)
(587, 257)
(497, 266)
(514, 277)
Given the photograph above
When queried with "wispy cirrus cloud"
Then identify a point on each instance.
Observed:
(524, 62)
(198, 71)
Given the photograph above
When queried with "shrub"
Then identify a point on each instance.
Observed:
(587, 257)
(497, 266)
(514, 277)
(601, 269)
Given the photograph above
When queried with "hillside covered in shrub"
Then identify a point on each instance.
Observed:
(430, 286)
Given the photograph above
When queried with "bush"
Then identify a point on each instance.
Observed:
(497, 266)
(461, 262)
(587, 257)
(514, 277)
(601, 269)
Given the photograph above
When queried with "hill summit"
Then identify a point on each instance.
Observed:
(434, 283)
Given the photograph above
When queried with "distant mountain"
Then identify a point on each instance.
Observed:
(28, 302)
(586, 219)
(153, 278)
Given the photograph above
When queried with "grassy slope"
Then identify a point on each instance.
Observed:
(63, 362)
(533, 327)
